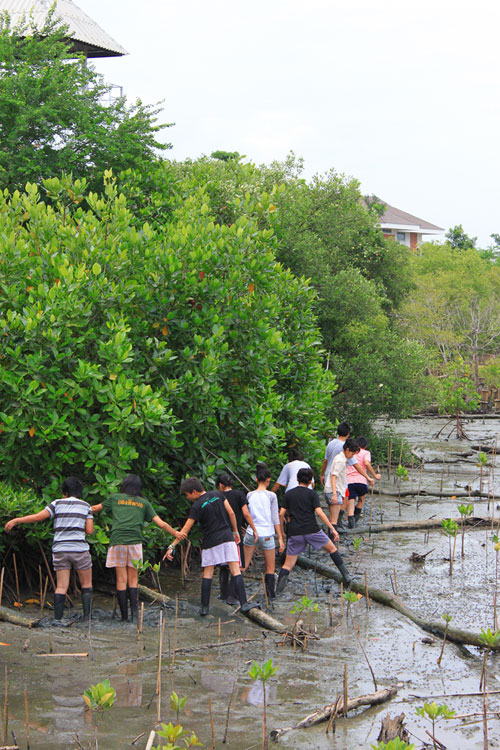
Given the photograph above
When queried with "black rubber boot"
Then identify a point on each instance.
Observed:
(232, 596)
(357, 514)
(339, 524)
(59, 601)
(351, 521)
(241, 593)
(269, 581)
(337, 559)
(86, 603)
(223, 582)
(206, 585)
(133, 595)
(282, 580)
(121, 595)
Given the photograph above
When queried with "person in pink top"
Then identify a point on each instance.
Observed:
(357, 484)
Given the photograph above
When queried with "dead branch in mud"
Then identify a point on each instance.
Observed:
(392, 728)
(427, 493)
(15, 618)
(217, 645)
(430, 523)
(155, 596)
(324, 714)
(391, 600)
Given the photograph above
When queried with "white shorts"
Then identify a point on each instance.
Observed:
(220, 555)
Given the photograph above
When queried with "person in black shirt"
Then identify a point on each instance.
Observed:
(302, 505)
(238, 502)
(220, 537)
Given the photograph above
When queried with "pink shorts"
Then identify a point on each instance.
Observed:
(121, 555)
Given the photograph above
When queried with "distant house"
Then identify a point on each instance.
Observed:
(405, 228)
(86, 36)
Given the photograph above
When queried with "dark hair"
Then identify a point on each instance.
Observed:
(351, 445)
(262, 472)
(304, 476)
(362, 441)
(191, 484)
(72, 487)
(294, 455)
(224, 479)
(131, 485)
(344, 429)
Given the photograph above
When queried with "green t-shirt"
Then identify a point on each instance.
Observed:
(129, 513)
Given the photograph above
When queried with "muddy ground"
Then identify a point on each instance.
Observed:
(399, 652)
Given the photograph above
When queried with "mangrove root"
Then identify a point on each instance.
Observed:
(392, 728)
(391, 600)
(15, 618)
(430, 523)
(298, 636)
(324, 714)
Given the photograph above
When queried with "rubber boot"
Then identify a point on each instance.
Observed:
(282, 580)
(337, 559)
(269, 582)
(133, 595)
(351, 521)
(357, 514)
(241, 593)
(206, 585)
(59, 601)
(223, 583)
(339, 524)
(232, 596)
(86, 603)
(121, 595)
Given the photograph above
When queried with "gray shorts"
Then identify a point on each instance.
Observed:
(68, 560)
(297, 544)
(263, 542)
(329, 498)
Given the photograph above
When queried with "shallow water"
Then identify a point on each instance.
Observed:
(399, 652)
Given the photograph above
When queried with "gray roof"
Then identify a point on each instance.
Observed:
(396, 218)
(86, 35)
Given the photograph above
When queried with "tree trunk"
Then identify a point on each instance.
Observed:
(392, 728)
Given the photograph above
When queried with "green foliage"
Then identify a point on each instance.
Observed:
(435, 712)
(395, 744)
(446, 617)
(457, 392)
(466, 510)
(304, 604)
(402, 473)
(488, 638)
(176, 737)
(357, 542)
(449, 526)
(100, 697)
(459, 240)
(350, 597)
(57, 114)
(482, 458)
(262, 672)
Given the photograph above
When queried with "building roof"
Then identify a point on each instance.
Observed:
(86, 35)
(394, 218)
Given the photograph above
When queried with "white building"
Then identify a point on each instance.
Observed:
(407, 229)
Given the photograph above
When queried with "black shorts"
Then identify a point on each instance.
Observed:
(358, 489)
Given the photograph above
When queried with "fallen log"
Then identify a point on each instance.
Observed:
(7, 615)
(391, 600)
(155, 596)
(428, 493)
(324, 714)
(429, 523)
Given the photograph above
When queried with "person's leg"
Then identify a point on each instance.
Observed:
(62, 584)
(270, 560)
(121, 590)
(287, 566)
(85, 578)
(206, 586)
(223, 582)
(249, 550)
(338, 561)
(239, 585)
(133, 591)
(358, 509)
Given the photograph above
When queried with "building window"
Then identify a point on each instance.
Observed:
(401, 236)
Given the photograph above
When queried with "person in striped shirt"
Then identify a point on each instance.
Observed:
(73, 520)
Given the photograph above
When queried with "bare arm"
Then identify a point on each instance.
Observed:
(96, 508)
(34, 518)
(169, 554)
(281, 541)
(169, 529)
(89, 526)
(363, 473)
(232, 521)
(248, 518)
(321, 514)
(371, 470)
(322, 472)
(276, 487)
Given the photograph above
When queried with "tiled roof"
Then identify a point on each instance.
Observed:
(87, 36)
(395, 217)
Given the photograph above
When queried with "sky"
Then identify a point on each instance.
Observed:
(402, 96)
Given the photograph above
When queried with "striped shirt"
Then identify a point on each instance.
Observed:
(70, 515)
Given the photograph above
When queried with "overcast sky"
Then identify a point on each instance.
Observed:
(401, 95)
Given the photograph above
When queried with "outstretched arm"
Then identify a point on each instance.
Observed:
(169, 529)
(96, 508)
(34, 518)
(321, 514)
(169, 554)
(363, 473)
(372, 471)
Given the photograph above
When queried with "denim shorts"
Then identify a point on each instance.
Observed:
(329, 498)
(263, 542)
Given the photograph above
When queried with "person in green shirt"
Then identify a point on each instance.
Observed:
(129, 512)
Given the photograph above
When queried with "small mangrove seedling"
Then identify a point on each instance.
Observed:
(177, 704)
(489, 640)
(450, 528)
(264, 672)
(465, 511)
(351, 598)
(435, 713)
(402, 475)
(357, 541)
(482, 460)
(175, 735)
(497, 550)
(447, 619)
(303, 605)
(99, 698)
(395, 744)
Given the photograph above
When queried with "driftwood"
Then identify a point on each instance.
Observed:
(324, 714)
(155, 596)
(8, 615)
(430, 523)
(217, 645)
(443, 493)
(391, 600)
(392, 728)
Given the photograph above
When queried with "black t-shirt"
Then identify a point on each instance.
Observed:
(237, 500)
(300, 504)
(211, 514)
